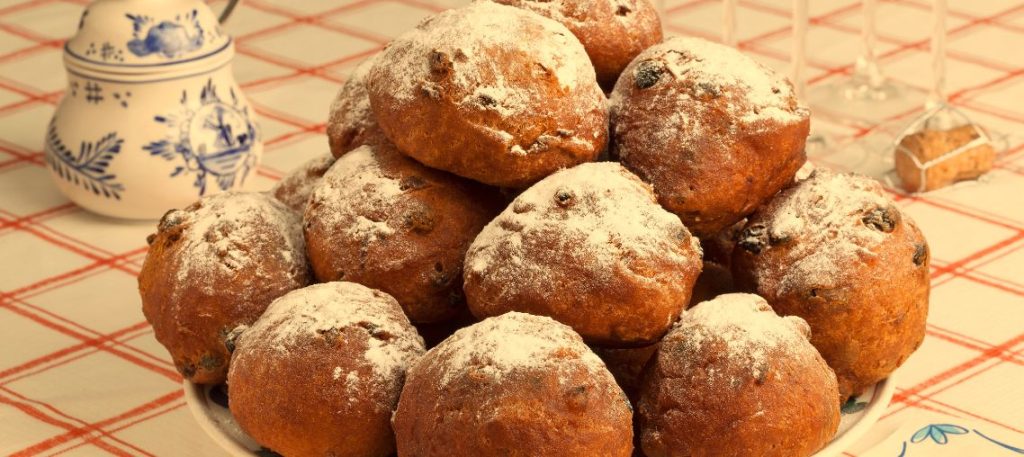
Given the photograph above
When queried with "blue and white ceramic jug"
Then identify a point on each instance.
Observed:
(152, 118)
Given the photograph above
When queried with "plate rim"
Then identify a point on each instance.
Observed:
(195, 397)
(879, 403)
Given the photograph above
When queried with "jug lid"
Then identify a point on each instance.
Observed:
(143, 36)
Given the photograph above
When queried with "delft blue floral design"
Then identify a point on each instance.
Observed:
(939, 433)
(214, 139)
(93, 93)
(122, 98)
(88, 167)
(107, 52)
(167, 38)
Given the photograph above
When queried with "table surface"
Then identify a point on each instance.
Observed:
(80, 372)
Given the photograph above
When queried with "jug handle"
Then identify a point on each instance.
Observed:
(226, 13)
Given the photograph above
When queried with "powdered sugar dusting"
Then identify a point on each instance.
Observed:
(825, 214)
(513, 342)
(350, 112)
(748, 330)
(578, 14)
(565, 12)
(220, 234)
(357, 176)
(805, 171)
(300, 316)
(625, 12)
(599, 209)
(767, 93)
(712, 91)
(359, 106)
(466, 41)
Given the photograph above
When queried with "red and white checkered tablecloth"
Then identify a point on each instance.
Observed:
(80, 372)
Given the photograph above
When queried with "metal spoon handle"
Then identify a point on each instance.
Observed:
(230, 8)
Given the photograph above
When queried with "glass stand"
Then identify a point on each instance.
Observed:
(868, 154)
(866, 97)
(862, 99)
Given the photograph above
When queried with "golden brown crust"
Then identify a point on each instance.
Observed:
(541, 392)
(350, 123)
(383, 220)
(714, 141)
(294, 189)
(321, 372)
(718, 247)
(434, 333)
(589, 247)
(216, 265)
(627, 366)
(928, 145)
(864, 292)
(491, 93)
(715, 279)
(612, 32)
(712, 390)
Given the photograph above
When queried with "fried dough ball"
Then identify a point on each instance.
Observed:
(381, 219)
(612, 32)
(837, 252)
(215, 266)
(492, 93)
(590, 247)
(735, 379)
(321, 371)
(713, 131)
(512, 385)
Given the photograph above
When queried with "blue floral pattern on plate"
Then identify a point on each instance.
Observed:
(853, 405)
(940, 434)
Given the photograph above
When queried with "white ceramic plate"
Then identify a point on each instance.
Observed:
(209, 406)
(858, 415)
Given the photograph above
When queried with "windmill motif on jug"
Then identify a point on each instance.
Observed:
(214, 139)
(153, 116)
